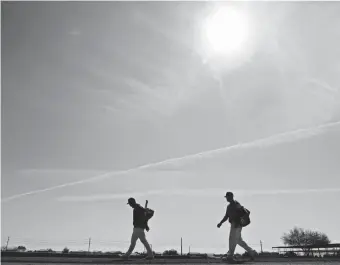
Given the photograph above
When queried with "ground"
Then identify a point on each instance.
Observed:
(257, 263)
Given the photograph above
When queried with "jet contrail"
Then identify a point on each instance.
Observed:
(262, 142)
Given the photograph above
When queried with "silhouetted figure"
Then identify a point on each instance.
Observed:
(139, 224)
(234, 213)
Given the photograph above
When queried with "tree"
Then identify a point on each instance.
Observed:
(304, 237)
(66, 250)
(300, 237)
(170, 252)
(21, 248)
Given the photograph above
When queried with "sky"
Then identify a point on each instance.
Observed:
(103, 101)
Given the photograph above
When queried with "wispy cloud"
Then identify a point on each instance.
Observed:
(322, 84)
(190, 193)
(74, 32)
(175, 162)
(48, 172)
(162, 100)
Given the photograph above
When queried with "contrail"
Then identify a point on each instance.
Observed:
(262, 142)
(95, 178)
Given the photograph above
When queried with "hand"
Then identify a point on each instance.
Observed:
(219, 225)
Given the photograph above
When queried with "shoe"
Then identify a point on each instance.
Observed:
(124, 257)
(148, 258)
(231, 260)
(253, 254)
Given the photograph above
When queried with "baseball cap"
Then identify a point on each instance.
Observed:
(229, 194)
(131, 201)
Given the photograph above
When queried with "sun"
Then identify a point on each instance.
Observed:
(226, 30)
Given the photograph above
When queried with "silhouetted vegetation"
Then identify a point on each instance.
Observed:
(290, 254)
(170, 252)
(65, 250)
(303, 238)
(21, 248)
(300, 237)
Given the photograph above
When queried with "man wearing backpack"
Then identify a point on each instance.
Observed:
(237, 216)
(140, 222)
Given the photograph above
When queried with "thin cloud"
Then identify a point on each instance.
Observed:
(106, 197)
(190, 193)
(157, 99)
(74, 32)
(323, 84)
(260, 143)
(29, 172)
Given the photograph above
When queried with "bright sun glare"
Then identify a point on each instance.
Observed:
(226, 30)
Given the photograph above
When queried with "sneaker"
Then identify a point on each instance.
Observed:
(124, 257)
(231, 260)
(253, 254)
(149, 258)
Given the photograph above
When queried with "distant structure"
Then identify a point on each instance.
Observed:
(310, 250)
(181, 247)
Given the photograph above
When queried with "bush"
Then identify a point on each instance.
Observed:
(300, 237)
(171, 252)
(290, 254)
(65, 250)
(21, 248)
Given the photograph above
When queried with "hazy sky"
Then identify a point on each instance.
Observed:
(90, 88)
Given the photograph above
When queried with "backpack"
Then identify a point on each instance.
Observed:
(149, 213)
(245, 217)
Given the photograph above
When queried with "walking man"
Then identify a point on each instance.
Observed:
(234, 213)
(139, 224)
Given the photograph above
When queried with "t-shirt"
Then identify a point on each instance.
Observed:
(233, 212)
(139, 219)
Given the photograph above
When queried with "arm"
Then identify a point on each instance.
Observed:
(225, 218)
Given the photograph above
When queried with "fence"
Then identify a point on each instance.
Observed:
(107, 246)
(80, 245)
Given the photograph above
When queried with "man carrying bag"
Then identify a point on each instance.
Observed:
(238, 217)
